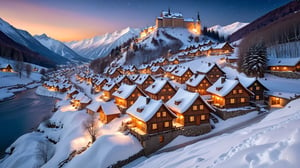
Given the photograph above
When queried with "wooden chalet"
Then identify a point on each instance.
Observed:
(198, 83)
(114, 72)
(284, 64)
(144, 80)
(129, 70)
(157, 70)
(280, 99)
(169, 69)
(123, 79)
(126, 95)
(80, 101)
(228, 93)
(100, 82)
(174, 61)
(212, 71)
(255, 86)
(181, 74)
(72, 91)
(222, 48)
(161, 89)
(6, 68)
(144, 69)
(108, 89)
(190, 108)
(150, 116)
(107, 110)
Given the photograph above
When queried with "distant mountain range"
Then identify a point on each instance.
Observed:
(265, 20)
(101, 46)
(228, 29)
(60, 48)
(24, 38)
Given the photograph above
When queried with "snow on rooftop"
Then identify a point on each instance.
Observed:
(195, 80)
(144, 109)
(246, 81)
(222, 89)
(124, 91)
(283, 61)
(166, 14)
(182, 100)
(110, 108)
(179, 71)
(141, 79)
(170, 68)
(94, 106)
(285, 95)
(156, 86)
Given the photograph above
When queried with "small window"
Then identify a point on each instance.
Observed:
(166, 124)
(154, 126)
(206, 84)
(164, 114)
(217, 76)
(251, 88)
(203, 117)
(232, 101)
(133, 95)
(257, 88)
(161, 139)
(234, 91)
(195, 108)
(192, 118)
(170, 89)
(163, 97)
(257, 97)
(158, 115)
(201, 107)
(242, 100)
(240, 91)
(201, 85)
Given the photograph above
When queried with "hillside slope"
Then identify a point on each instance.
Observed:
(228, 29)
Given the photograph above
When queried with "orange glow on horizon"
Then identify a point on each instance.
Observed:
(58, 24)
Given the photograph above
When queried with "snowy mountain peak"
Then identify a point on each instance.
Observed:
(228, 29)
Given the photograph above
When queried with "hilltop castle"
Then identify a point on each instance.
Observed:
(169, 19)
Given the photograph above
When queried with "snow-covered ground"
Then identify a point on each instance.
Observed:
(273, 142)
(10, 81)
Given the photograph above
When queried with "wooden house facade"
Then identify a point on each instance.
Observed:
(182, 74)
(150, 116)
(160, 90)
(284, 64)
(126, 95)
(108, 89)
(228, 93)
(198, 83)
(212, 71)
(144, 80)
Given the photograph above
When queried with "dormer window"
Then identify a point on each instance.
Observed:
(139, 109)
(177, 102)
(218, 88)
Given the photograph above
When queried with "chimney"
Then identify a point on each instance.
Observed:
(223, 79)
(147, 100)
(209, 64)
(196, 75)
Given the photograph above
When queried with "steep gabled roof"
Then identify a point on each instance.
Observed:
(181, 70)
(124, 91)
(283, 61)
(144, 109)
(110, 108)
(195, 80)
(222, 89)
(156, 86)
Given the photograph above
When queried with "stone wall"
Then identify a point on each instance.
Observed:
(230, 114)
(293, 75)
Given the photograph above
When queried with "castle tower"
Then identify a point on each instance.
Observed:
(198, 25)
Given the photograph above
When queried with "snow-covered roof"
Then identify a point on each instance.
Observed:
(144, 109)
(155, 68)
(143, 66)
(119, 78)
(82, 98)
(156, 86)
(246, 81)
(180, 70)
(195, 80)
(108, 86)
(166, 14)
(141, 79)
(283, 61)
(72, 90)
(94, 106)
(220, 46)
(188, 19)
(285, 95)
(133, 77)
(205, 67)
(110, 108)
(124, 91)
(222, 89)
(182, 100)
(170, 68)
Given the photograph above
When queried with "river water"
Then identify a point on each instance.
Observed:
(22, 115)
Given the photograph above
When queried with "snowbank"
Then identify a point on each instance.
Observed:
(45, 92)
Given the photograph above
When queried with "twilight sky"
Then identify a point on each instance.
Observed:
(79, 19)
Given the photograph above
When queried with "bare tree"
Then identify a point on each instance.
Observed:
(28, 69)
(92, 127)
(19, 64)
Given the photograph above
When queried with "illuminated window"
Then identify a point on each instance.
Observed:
(195, 108)
(242, 100)
(154, 126)
(234, 91)
(232, 101)
(257, 97)
(166, 124)
(217, 76)
(206, 84)
(257, 88)
(164, 114)
(203, 117)
(240, 91)
(201, 85)
(162, 97)
(133, 95)
(158, 114)
(201, 107)
(170, 89)
(251, 88)
(161, 139)
(192, 118)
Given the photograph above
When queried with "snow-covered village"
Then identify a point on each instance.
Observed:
(168, 84)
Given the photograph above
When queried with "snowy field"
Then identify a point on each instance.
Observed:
(273, 142)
